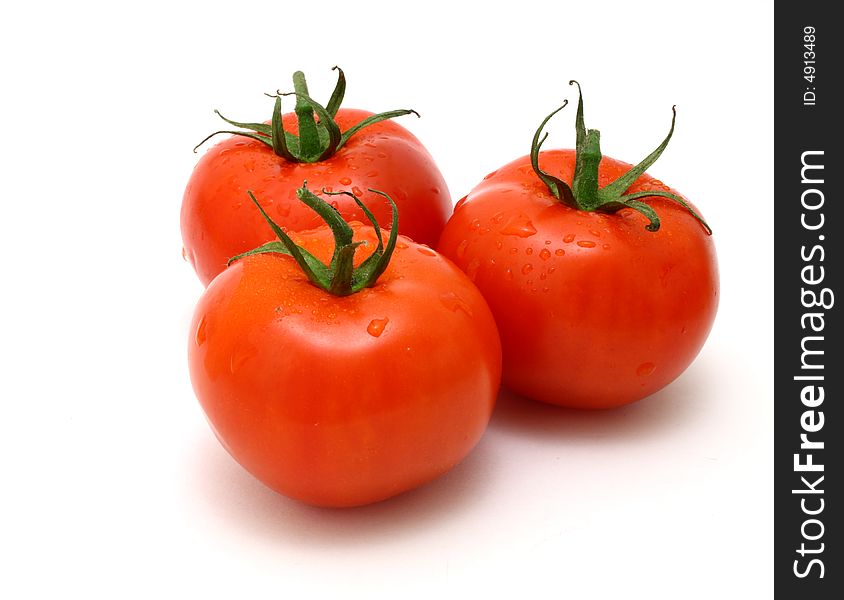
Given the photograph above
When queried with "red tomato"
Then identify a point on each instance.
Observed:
(345, 400)
(218, 221)
(594, 310)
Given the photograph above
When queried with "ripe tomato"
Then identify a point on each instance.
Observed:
(595, 308)
(218, 222)
(345, 400)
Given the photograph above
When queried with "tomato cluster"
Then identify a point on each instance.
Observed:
(341, 365)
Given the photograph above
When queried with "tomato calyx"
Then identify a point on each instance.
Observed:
(319, 138)
(584, 193)
(340, 277)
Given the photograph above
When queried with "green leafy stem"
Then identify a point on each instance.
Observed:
(340, 277)
(584, 193)
(319, 135)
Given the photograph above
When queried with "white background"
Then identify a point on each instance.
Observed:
(112, 483)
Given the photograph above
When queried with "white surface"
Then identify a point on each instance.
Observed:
(113, 484)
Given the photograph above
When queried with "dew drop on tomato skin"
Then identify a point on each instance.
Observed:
(527, 268)
(283, 209)
(472, 269)
(376, 326)
(426, 251)
(568, 238)
(201, 335)
(461, 248)
(645, 369)
(519, 225)
(559, 252)
(545, 254)
(586, 244)
(453, 302)
(239, 358)
(345, 180)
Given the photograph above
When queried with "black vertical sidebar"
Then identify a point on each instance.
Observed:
(809, 226)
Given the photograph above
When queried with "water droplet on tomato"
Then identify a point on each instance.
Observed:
(201, 336)
(372, 174)
(475, 224)
(426, 251)
(519, 225)
(376, 326)
(382, 155)
(595, 232)
(461, 248)
(490, 175)
(568, 238)
(545, 254)
(357, 191)
(498, 217)
(527, 268)
(453, 302)
(606, 246)
(645, 369)
(283, 209)
(460, 202)
(401, 245)
(514, 250)
(345, 180)
(559, 252)
(472, 268)
(238, 359)
(435, 190)
(528, 251)
(586, 244)
(499, 244)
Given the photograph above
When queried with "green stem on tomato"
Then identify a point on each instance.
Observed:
(584, 193)
(340, 277)
(319, 135)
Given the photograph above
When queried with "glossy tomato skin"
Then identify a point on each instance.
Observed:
(344, 401)
(593, 310)
(219, 222)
